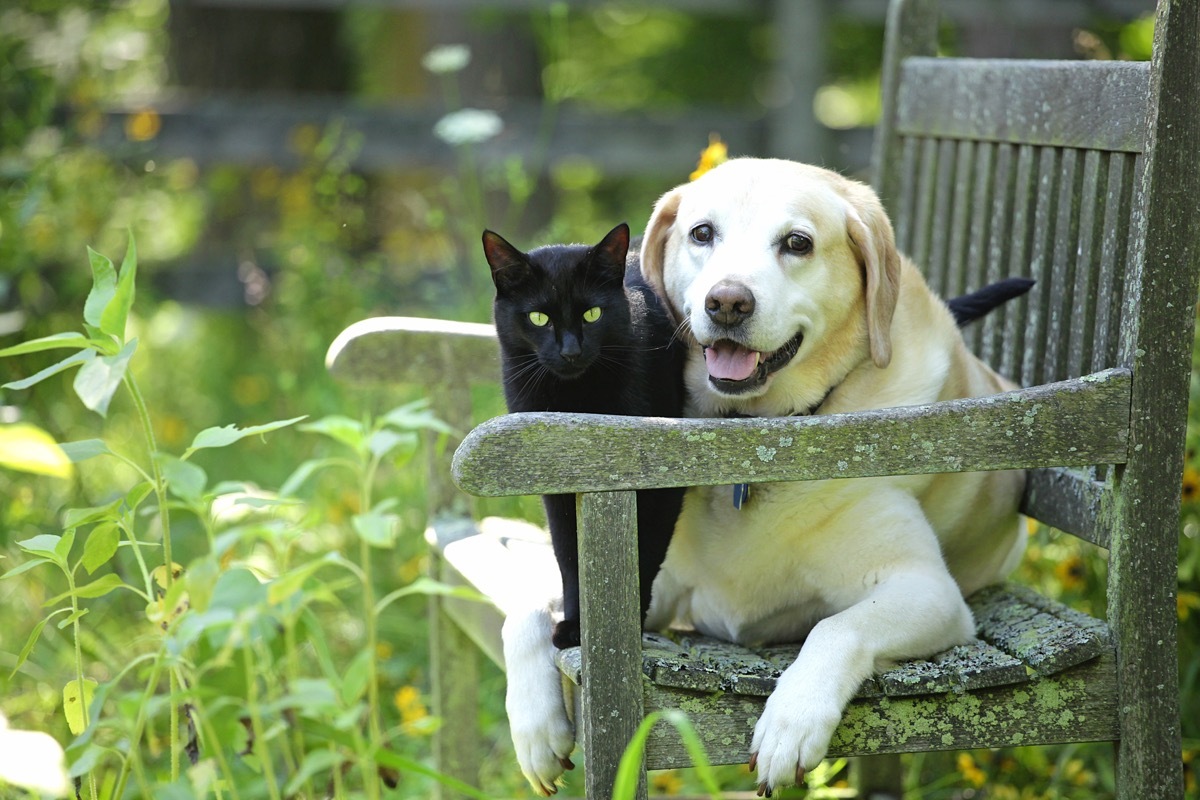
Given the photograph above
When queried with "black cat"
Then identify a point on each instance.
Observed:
(581, 331)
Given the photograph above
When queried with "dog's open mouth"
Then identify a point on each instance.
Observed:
(734, 368)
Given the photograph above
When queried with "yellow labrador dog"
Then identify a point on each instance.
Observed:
(788, 279)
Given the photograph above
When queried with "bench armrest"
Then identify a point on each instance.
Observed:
(1078, 422)
(414, 349)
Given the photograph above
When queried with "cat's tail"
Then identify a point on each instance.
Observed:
(969, 307)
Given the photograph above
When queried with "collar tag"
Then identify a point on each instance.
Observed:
(741, 494)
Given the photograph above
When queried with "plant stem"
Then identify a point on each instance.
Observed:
(256, 723)
(160, 486)
(139, 724)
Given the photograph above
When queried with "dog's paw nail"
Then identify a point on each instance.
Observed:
(762, 790)
(566, 763)
(799, 776)
(753, 765)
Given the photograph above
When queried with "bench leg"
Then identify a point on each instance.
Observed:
(878, 777)
(454, 670)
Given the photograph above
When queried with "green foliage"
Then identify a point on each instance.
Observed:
(230, 654)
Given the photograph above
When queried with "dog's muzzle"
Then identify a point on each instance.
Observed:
(734, 368)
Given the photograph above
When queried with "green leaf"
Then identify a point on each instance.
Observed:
(184, 479)
(100, 378)
(416, 416)
(76, 614)
(428, 586)
(316, 762)
(77, 517)
(62, 548)
(85, 449)
(52, 342)
(76, 699)
(101, 546)
(342, 429)
(135, 496)
(28, 565)
(356, 677)
(104, 288)
(385, 441)
(292, 581)
(630, 769)
(42, 545)
(227, 435)
(377, 530)
(33, 638)
(116, 313)
(302, 473)
(28, 448)
(97, 588)
(82, 357)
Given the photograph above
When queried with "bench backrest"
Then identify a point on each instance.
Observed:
(1086, 177)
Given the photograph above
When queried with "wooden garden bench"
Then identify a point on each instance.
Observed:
(1083, 175)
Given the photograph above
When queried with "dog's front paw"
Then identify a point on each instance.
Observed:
(790, 738)
(543, 738)
(542, 735)
(566, 634)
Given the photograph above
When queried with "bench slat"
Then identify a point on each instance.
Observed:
(1053, 103)
(1072, 423)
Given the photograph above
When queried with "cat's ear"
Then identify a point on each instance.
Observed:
(608, 257)
(510, 268)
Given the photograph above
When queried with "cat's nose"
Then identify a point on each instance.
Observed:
(570, 349)
(729, 303)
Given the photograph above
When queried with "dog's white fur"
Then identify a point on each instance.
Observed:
(867, 571)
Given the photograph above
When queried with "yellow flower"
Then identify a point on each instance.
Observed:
(970, 770)
(1185, 602)
(1191, 484)
(143, 125)
(1071, 572)
(666, 782)
(409, 704)
(1031, 526)
(715, 154)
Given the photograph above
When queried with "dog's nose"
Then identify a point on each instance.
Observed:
(729, 303)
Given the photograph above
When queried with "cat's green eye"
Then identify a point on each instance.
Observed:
(538, 318)
(592, 314)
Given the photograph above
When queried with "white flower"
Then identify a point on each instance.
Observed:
(468, 126)
(446, 58)
(32, 760)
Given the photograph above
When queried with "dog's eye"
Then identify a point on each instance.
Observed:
(799, 243)
(538, 318)
(592, 314)
(702, 234)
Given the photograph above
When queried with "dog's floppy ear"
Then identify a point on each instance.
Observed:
(871, 235)
(654, 246)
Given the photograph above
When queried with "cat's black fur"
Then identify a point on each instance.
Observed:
(627, 361)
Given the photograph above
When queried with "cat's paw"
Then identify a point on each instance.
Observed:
(566, 634)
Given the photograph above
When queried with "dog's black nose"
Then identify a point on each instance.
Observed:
(729, 303)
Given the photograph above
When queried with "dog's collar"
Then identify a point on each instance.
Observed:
(741, 491)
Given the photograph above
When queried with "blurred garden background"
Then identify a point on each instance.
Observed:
(287, 167)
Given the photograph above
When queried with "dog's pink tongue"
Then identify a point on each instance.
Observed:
(730, 362)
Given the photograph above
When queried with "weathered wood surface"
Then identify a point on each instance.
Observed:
(1073, 423)
(611, 688)
(1054, 103)
(414, 349)
(1157, 329)
(1068, 500)
(1077, 705)
(1021, 635)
